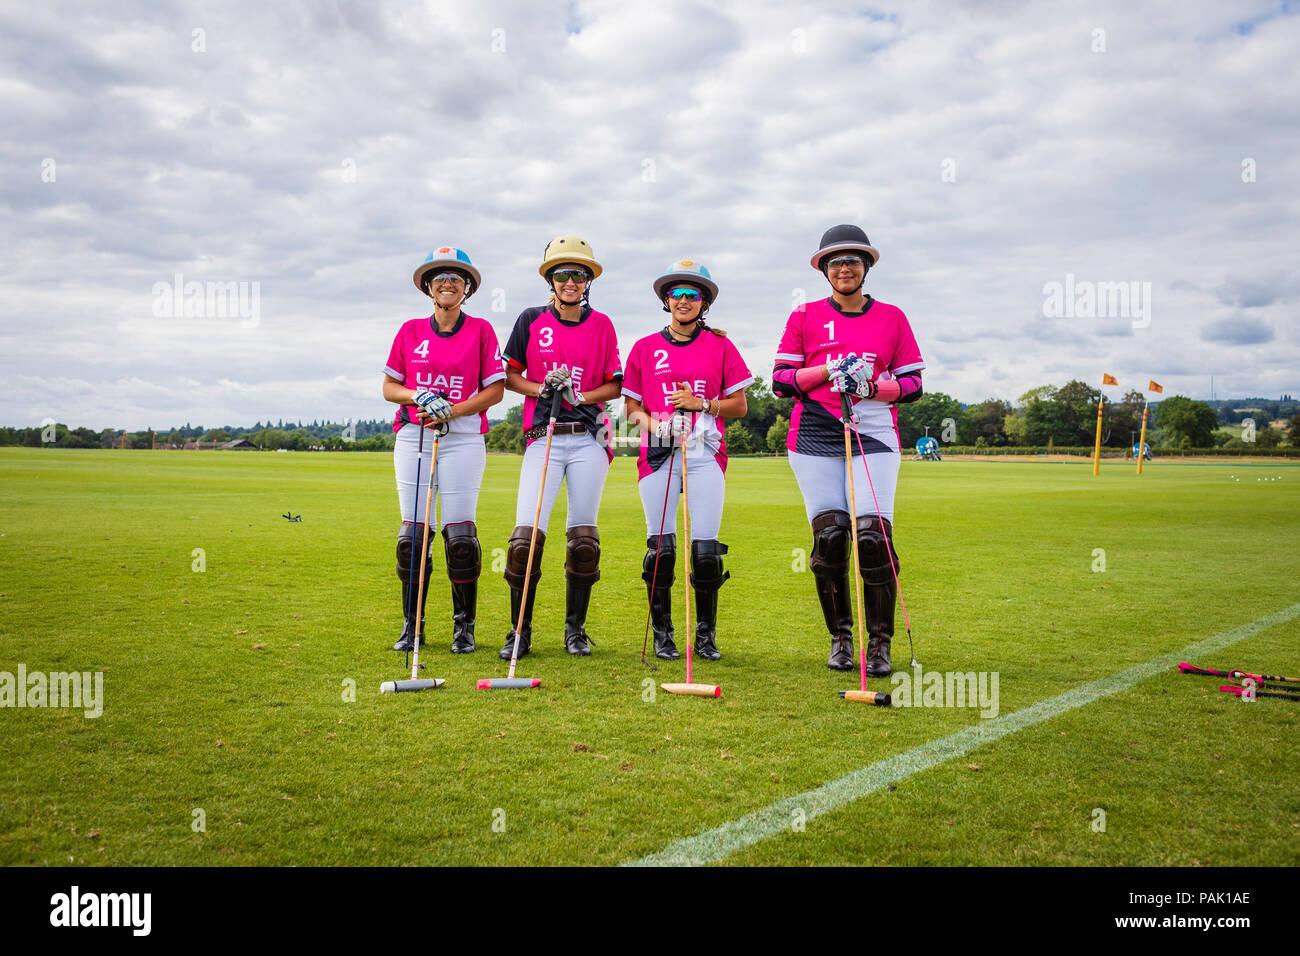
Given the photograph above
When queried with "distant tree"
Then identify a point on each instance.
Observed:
(763, 408)
(930, 409)
(1062, 416)
(1013, 426)
(1123, 420)
(506, 437)
(740, 440)
(216, 434)
(1293, 431)
(984, 421)
(776, 436)
(1187, 423)
(1268, 438)
(515, 416)
(270, 438)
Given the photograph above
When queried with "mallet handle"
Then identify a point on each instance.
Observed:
(532, 541)
(847, 411)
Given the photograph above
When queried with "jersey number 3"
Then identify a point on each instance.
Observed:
(544, 336)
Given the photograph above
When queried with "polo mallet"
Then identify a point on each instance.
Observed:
(689, 689)
(1273, 679)
(663, 518)
(1252, 692)
(862, 694)
(510, 681)
(889, 544)
(416, 682)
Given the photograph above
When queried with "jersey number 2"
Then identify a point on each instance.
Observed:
(661, 359)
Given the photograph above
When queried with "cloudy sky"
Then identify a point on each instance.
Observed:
(318, 150)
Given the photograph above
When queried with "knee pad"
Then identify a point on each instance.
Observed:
(831, 542)
(706, 565)
(582, 557)
(464, 555)
(517, 556)
(666, 544)
(875, 542)
(407, 536)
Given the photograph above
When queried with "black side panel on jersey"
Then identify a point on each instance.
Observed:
(516, 351)
(657, 452)
(822, 434)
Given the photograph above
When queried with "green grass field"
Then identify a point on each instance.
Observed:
(226, 690)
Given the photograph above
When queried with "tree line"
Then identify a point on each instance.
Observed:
(1048, 415)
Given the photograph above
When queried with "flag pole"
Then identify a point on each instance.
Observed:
(1142, 441)
(1096, 450)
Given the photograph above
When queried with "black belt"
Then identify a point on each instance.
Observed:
(564, 428)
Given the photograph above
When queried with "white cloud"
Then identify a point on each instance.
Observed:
(762, 124)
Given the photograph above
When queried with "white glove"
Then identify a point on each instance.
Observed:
(434, 404)
(853, 375)
(674, 426)
(557, 380)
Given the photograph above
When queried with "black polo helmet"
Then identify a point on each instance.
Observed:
(844, 238)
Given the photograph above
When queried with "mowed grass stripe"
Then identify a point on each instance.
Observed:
(716, 844)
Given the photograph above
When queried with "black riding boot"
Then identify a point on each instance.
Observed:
(833, 593)
(879, 562)
(526, 636)
(659, 590)
(577, 597)
(404, 643)
(464, 604)
(707, 577)
(516, 571)
(581, 571)
(464, 563)
(409, 537)
(830, 568)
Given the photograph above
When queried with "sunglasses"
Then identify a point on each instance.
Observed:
(840, 262)
(564, 275)
(690, 295)
(448, 277)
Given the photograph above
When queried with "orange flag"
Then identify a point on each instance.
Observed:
(1108, 379)
(1154, 387)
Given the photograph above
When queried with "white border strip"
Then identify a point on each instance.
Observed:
(714, 845)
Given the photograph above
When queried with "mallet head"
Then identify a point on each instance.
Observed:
(867, 697)
(401, 686)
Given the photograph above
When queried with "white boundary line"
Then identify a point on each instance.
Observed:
(714, 845)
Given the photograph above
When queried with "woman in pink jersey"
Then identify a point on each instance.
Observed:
(567, 347)
(681, 381)
(444, 372)
(850, 343)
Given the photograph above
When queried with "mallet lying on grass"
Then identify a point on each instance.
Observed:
(1291, 684)
(510, 682)
(416, 682)
(689, 689)
(1252, 692)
